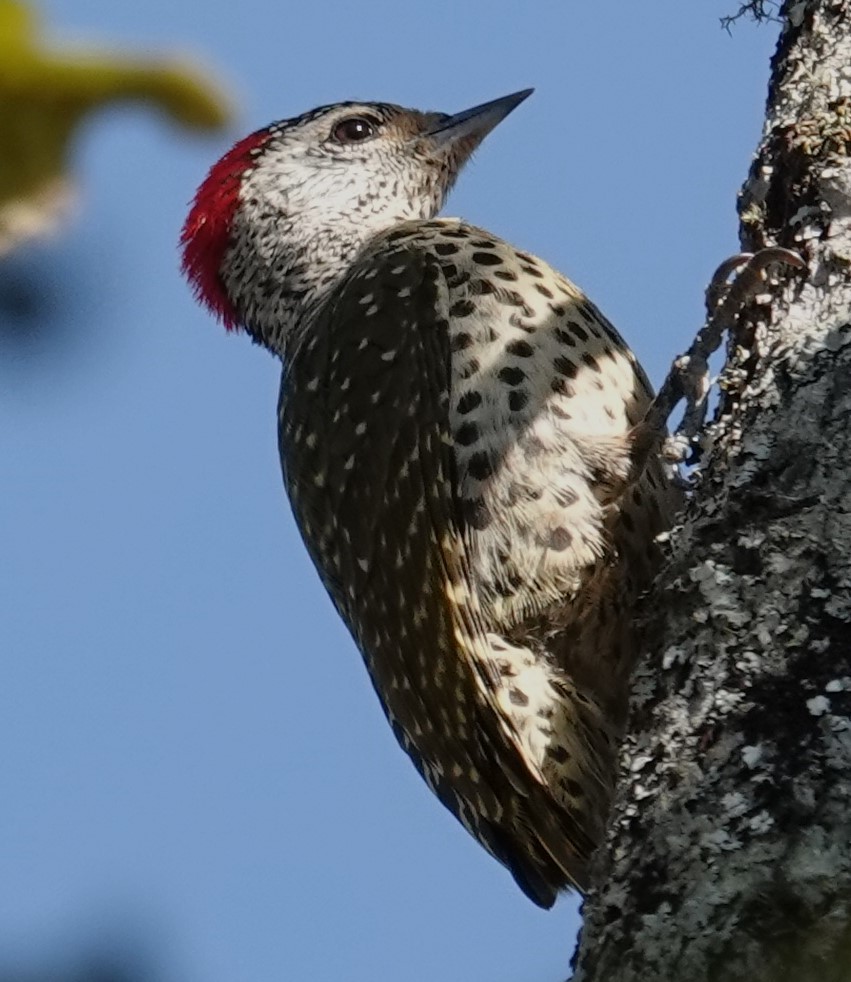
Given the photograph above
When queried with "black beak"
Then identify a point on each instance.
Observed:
(472, 125)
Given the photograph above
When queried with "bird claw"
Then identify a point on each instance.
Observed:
(688, 378)
(749, 267)
(719, 283)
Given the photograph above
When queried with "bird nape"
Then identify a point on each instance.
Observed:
(455, 425)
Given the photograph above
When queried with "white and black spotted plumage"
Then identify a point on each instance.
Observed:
(454, 426)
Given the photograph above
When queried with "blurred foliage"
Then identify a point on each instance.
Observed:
(94, 971)
(44, 95)
(95, 965)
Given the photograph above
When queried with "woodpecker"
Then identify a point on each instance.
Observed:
(455, 430)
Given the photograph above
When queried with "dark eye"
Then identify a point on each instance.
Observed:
(354, 129)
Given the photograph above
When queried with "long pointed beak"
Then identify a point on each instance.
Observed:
(470, 127)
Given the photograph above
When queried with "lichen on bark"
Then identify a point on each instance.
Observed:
(729, 852)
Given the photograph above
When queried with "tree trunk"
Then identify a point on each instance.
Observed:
(729, 852)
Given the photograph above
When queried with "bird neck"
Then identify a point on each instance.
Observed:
(287, 255)
(276, 277)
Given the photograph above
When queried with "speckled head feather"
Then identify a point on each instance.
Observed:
(206, 231)
(281, 215)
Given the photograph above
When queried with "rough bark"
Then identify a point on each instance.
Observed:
(729, 853)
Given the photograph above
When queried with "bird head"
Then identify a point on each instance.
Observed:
(282, 215)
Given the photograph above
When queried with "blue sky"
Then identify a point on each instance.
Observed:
(193, 760)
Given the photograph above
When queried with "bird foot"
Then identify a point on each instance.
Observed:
(688, 378)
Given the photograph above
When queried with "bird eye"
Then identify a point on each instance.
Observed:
(354, 129)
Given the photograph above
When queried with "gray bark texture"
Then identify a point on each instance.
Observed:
(729, 851)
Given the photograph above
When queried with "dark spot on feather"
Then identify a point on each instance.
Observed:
(469, 401)
(487, 259)
(511, 375)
